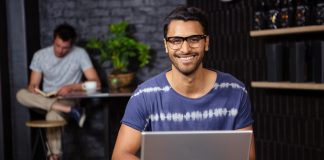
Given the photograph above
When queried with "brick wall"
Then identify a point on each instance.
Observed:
(91, 18)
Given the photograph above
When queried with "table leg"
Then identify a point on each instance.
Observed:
(107, 132)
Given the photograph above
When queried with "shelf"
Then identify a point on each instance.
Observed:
(287, 85)
(285, 31)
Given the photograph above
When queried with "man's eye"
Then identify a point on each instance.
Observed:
(176, 41)
(194, 39)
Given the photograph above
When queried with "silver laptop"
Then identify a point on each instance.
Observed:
(196, 145)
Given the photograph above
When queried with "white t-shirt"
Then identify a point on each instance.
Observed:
(57, 71)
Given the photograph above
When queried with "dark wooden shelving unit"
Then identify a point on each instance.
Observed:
(286, 31)
(288, 85)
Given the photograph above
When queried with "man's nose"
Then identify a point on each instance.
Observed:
(185, 47)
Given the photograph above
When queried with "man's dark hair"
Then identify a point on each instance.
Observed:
(186, 14)
(66, 32)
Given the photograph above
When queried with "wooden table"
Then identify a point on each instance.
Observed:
(79, 95)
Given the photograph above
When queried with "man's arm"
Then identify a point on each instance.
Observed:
(252, 148)
(34, 81)
(127, 144)
(90, 74)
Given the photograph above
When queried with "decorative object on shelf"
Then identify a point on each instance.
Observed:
(286, 13)
(297, 62)
(273, 15)
(317, 61)
(122, 50)
(274, 54)
(319, 12)
(302, 15)
(259, 17)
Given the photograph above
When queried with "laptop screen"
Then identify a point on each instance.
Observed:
(196, 145)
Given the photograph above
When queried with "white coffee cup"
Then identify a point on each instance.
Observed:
(89, 86)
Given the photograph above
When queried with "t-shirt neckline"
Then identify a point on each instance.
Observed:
(218, 79)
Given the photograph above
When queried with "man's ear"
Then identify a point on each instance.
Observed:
(207, 44)
(165, 46)
(206, 48)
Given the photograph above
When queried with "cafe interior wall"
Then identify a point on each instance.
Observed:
(288, 124)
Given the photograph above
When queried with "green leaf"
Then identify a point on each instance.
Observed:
(119, 47)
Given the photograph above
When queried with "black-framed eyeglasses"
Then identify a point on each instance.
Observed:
(193, 41)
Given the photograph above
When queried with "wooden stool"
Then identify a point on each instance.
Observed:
(43, 124)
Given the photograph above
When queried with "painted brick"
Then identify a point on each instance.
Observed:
(132, 3)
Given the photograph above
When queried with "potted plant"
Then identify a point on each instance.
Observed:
(122, 50)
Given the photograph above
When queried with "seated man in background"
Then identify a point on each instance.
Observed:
(187, 96)
(60, 68)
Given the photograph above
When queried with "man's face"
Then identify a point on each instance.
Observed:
(186, 55)
(61, 48)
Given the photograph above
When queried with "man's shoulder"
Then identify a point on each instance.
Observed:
(78, 50)
(45, 50)
(227, 77)
(226, 80)
(155, 84)
(157, 80)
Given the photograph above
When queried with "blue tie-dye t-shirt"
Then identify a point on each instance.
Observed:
(155, 106)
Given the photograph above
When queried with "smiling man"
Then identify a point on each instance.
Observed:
(188, 96)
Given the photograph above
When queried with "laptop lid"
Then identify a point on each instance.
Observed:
(196, 145)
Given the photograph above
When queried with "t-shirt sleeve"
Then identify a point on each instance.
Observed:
(244, 117)
(85, 61)
(135, 116)
(35, 64)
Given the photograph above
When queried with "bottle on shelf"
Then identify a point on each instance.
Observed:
(286, 14)
(273, 14)
(302, 14)
(259, 17)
